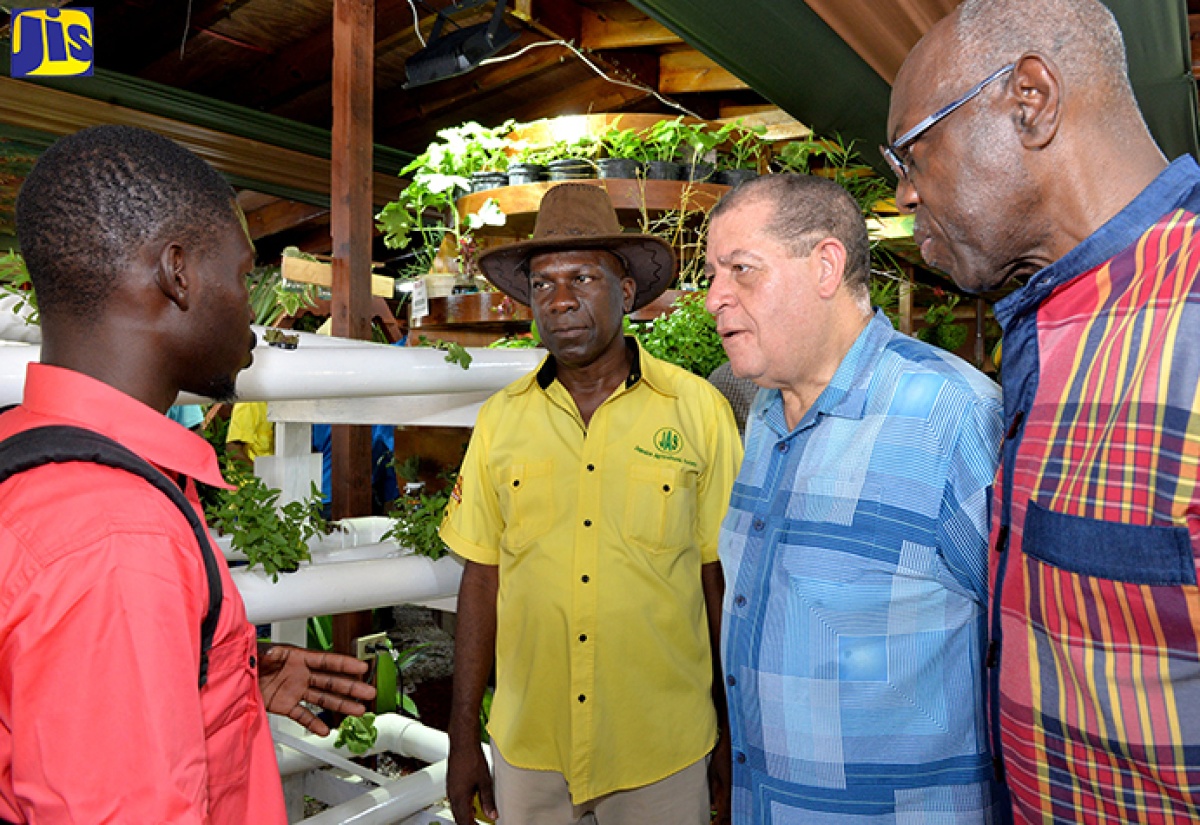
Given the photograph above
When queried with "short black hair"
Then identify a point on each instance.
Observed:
(807, 210)
(96, 197)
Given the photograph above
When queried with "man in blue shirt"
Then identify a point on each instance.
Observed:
(855, 547)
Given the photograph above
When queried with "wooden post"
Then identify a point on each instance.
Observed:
(350, 227)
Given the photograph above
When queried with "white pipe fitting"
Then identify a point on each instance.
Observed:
(316, 590)
(397, 734)
(390, 803)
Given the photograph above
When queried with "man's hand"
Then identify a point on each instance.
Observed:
(720, 780)
(467, 774)
(290, 675)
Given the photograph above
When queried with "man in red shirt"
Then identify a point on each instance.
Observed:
(138, 256)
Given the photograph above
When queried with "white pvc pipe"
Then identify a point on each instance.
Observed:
(390, 803)
(316, 590)
(14, 324)
(336, 372)
(397, 734)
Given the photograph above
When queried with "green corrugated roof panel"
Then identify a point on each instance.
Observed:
(788, 54)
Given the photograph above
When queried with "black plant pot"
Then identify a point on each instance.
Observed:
(618, 167)
(663, 170)
(732, 177)
(571, 169)
(699, 172)
(519, 173)
(488, 180)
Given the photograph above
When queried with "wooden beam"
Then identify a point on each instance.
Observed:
(780, 125)
(281, 216)
(592, 95)
(351, 225)
(621, 26)
(61, 113)
(688, 70)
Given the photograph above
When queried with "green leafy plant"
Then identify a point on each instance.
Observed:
(698, 139)
(425, 210)
(456, 353)
(686, 337)
(623, 143)
(271, 299)
(744, 145)
(14, 280)
(357, 733)
(941, 328)
(389, 683)
(273, 536)
(664, 139)
(416, 519)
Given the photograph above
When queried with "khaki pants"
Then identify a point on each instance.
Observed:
(525, 797)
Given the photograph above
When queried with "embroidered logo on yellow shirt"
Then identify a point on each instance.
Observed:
(668, 440)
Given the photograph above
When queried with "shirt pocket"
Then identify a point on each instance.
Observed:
(527, 500)
(660, 508)
(1130, 553)
(230, 702)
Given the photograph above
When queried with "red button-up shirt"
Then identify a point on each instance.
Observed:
(102, 594)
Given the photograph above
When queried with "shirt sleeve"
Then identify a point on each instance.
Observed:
(963, 525)
(248, 424)
(106, 719)
(724, 462)
(474, 524)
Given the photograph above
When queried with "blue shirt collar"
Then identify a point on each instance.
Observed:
(846, 394)
(1166, 193)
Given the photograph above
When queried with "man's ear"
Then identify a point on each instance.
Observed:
(1036, 88)
(172, 275)
(628, 293)
(829, 256)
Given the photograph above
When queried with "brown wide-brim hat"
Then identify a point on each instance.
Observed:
(579, 216)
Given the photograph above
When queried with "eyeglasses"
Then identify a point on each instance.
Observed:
(891, 151)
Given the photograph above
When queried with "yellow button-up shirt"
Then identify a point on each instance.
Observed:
(603, 662)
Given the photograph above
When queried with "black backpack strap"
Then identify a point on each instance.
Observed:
(63, 444)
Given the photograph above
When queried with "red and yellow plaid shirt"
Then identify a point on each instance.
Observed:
(1096, 613)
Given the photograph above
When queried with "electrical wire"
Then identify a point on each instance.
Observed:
(417, 23)
(593, 67)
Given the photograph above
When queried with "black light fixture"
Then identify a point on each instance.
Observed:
(461, 50)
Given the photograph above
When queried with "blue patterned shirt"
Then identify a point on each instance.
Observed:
(855, 551)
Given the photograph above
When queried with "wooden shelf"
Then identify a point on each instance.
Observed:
(520, 203)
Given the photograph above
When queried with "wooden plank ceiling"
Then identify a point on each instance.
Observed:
(274, 56)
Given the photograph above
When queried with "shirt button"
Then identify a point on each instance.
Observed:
(731, 681)
(516, 482)
(591, 468)
(587, 522)
(740, 757)
(253, 661)
(583, 637)
(783, 447)
(759, 524)
(584, 579)
(739, 601)
(582, 698)
(666, 488)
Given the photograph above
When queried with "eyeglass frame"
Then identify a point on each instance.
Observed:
(891, 151)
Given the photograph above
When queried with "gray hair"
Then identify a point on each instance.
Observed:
(807, 210)
(1081, 36)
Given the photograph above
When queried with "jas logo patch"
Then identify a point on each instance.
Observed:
(668, 440)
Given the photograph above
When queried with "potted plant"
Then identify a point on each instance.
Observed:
(700, 142)
(425, 210)
(744, 150)
(663, 141)
(528, 164)
(624, 153)
(574, 159)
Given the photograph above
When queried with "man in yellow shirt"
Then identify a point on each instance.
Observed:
(588, 509)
